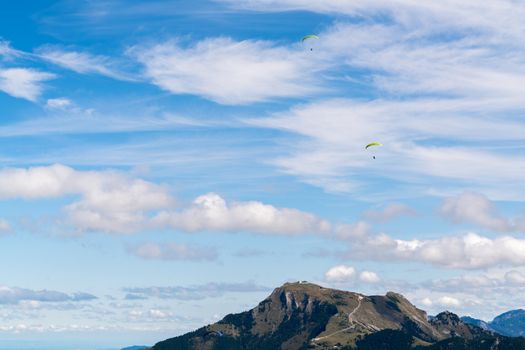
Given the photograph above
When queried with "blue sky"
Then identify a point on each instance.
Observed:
(165, 163)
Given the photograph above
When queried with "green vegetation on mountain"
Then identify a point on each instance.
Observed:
(301, 316)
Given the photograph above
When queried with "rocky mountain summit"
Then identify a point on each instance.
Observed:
(307, 316)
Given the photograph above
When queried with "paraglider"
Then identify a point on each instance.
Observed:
(373, 144)
(308, 37)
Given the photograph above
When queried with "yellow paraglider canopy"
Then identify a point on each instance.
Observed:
(375, 143)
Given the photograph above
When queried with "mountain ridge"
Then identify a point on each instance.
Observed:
(510, 323)
(300, 316)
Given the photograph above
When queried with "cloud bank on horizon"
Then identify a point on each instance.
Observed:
(149, 140)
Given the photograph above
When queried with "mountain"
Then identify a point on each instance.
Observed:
(452, 326)
(136, 347)
(511, 323)
(299, 316)
(475, 322)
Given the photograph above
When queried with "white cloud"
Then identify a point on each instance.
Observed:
(156, 313)
(469, 251)
(369, 277)
(7, 52)
(151, 315)
(227, 71)
(447, 301)
(475, 208)
(110, 201)
(356, 231)
(333, 156)
(81, 121)
(467, 14)
(340, 273)
(345, 273)
(471, 207)
(58, 103)
(82, 62)
(211, 212)
(427, 302)
(490, 285)
(172, 251)
(444, 95)
(482, 295)
(389, 212)
(23, 82)
(12, 295)
(515, 278)
(5, 49)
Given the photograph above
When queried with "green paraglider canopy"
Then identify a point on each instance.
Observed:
(375, 143)
(309, 36)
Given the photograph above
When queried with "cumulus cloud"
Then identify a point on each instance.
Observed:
(228, 71)
(345, 274)
(211, 212)
(465, 251)
(340, 273)
(369, 277)
(469, 251)
(196, 292)
(389, 212)
(489, 284)
(427, 302)
(114, 202)
(474, 208)
(356, 231)
(110, 201)
(172, 251)
(24, 83)
(447, 301)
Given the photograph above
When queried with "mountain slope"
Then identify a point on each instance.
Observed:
(304, 315)
(511, 323)
(475, 322)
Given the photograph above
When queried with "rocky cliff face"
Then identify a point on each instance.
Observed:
(451, 325)
(307, 316)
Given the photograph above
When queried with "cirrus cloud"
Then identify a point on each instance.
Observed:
(228, 71)
(23, 83)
